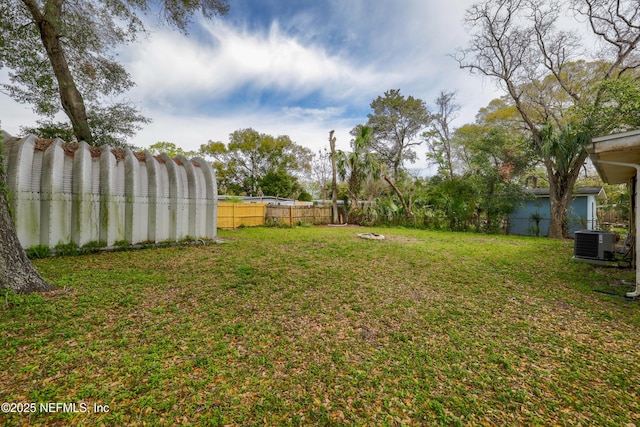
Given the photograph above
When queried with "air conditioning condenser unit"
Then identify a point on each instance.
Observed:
(590, 245)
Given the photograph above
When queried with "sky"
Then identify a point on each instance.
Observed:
(297, 67)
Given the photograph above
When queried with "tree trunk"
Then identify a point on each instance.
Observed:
(16, 271)
(334, 181)
(72, 102)
(406, 208)
(396, 167)
(561, 194)
(560, 197)
(558, 220)
(354, 185)
(558, 204)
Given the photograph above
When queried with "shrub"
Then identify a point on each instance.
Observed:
(121, 244)
(305, 197)
(66, 249)
(93, 246)
(276, 223)
(39, 251)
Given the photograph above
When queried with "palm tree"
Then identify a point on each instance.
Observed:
(359, 164)
(562, 148)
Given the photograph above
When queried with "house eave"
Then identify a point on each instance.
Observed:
(620, 148)
(597, 192)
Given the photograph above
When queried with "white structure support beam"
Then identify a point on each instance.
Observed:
(636, 292)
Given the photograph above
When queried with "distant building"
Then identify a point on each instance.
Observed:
(533, 216)
(269, 200)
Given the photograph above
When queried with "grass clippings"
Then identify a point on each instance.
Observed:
(315, 326)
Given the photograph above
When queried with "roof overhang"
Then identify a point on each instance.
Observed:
(598, 192)
(617, 159)
(601, 194)
(619, 148)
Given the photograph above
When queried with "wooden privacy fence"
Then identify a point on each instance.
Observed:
(612, 217)
(293, 214)
(234, 215)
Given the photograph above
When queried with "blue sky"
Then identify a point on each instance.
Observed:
(296, 67)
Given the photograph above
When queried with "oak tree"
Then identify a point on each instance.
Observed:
(16, 271)
(538, 62)
(60, 56)
(251, 159)
(440, 149)
(397, 123)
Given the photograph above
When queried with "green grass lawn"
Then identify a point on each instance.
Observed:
(314, 326)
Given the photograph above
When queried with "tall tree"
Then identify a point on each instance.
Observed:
(358, 164)
(440, 149)
(60, 53)
(320, 174)
(170, 148)
(519, 45)
(113, 125)
(279, 183)
(16, 271)
(60, 56)
(497, 160)
(397, 122)
(249, 156)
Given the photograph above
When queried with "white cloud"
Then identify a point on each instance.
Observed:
(191, 132)
(173, 67)
(323, 69)
(323, 114)
(14, 115)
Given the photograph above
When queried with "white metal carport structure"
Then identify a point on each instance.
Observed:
(617, 160)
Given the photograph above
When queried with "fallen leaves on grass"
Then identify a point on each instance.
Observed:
(313, 326)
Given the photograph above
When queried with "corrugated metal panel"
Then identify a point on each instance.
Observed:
(200, 184)
(67, 178)
(118, 178)
(140, 219)
(162, 219)
(57, 175)
(95, 176)
(36, 171)
(144, 180)
(24, 173)
(183, 182)
(63, 206)
(163, 181)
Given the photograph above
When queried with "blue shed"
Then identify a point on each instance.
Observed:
(532, 217)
